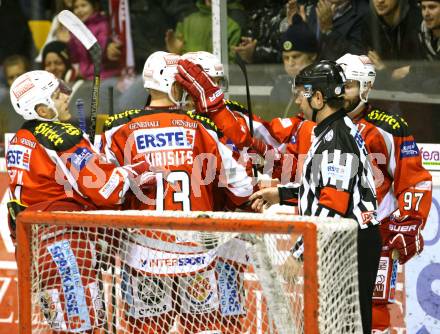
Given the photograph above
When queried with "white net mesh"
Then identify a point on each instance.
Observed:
(136, 280)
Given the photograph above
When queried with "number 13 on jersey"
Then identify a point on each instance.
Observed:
(177, 182)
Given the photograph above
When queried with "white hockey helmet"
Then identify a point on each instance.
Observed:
(31, 89)
(159, 72)
(361, 69)
(210, 64)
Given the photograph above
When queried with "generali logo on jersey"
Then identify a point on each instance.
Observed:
(23, 87)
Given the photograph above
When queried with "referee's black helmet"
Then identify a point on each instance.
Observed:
(326, 76)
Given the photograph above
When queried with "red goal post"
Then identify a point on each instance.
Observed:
(321, 237)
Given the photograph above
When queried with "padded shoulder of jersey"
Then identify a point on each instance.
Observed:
(206, 122)
(122, 118)
(389, 122)
(236, 106)
(57, 136)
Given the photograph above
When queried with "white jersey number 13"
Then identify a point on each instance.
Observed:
(179, 183)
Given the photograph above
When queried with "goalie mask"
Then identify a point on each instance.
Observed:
(32, 89)
(210, 64)
(361, 69)
(159, 72)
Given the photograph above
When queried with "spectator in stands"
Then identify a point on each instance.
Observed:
(194, 33)
(338, 26)
(57, 31)
(56, 60)
(299, 48)
(429, 34)
(88, 12)
(260, 43)
(150, 19)
(336, 23)
(428, 71)
(391, 35)
(13, 67)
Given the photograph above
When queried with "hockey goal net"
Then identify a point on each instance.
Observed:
(174, 272)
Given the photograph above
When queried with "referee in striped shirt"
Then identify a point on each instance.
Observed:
(337, 179)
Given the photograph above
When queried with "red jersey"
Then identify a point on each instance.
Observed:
(192, 162)
(404, 178)
(233, 121)
(51, 161)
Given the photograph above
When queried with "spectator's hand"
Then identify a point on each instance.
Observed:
(264, 198)
(401, 72)
(324, 12)
(246, 49)
(113, 51)
(173, 43)
(377, 61)
(291, 10)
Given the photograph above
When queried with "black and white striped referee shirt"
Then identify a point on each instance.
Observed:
(337, 178)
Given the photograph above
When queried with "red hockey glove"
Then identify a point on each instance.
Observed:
(260, 146)
(405, 237)
(207, 96)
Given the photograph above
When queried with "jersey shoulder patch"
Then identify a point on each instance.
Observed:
(57, 136)
(206, 122)
(236, 106)
(123, 118)
(389, 122)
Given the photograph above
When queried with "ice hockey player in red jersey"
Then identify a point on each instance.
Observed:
(167, 138)
(195, 164)
(403, 186)
(53, 166)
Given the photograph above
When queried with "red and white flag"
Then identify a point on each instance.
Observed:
(120, 22)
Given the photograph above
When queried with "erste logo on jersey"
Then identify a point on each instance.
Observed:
(171, 138)
(18, 156)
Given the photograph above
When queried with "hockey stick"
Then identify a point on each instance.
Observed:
(242, 66)
(84, 35)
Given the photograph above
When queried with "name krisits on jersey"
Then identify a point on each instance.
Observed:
(169, 158)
